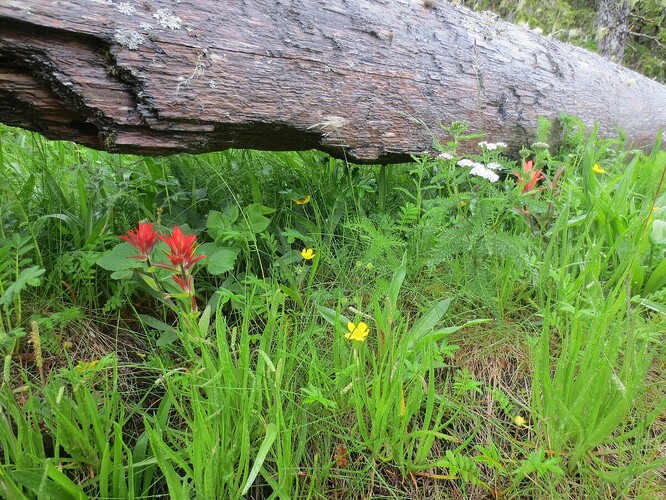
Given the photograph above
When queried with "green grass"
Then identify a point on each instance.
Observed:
(483, 304)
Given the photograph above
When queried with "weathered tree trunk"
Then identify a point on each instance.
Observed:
(370, 80)
(612, 28)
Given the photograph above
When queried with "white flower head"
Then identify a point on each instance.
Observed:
(445, 156)
(466, 162)
(484, 172)
(492, 146)
(494, 165)
(540, 145)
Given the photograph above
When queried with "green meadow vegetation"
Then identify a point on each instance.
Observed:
(287, 325)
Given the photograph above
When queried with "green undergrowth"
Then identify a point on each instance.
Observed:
(426, 330)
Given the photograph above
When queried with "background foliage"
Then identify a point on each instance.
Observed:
(573, 21)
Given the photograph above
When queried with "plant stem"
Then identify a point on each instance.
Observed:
(383, 188)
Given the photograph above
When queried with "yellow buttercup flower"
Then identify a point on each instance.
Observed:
(597, 169)
(308, 253)
(520, 421)
(83, 366)
(357, 332)
(303, 201)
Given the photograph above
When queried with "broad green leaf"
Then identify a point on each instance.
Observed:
(292, 294)
(256, 221)
(658, 233)
(204, 321)
(169, 333)
(219, 259)
(119, 258)
(35, 483)
(333, 317)
(427, 322)
(657, 279)
(220, 223)
(122, 275)
(216, 224)
(440, 334)
(396, 283)
(166, 338)
(10, 487)
(156, 323)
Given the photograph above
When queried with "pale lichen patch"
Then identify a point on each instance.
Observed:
(146, 26)
(126, 8)
(167, 19)
(128, 38)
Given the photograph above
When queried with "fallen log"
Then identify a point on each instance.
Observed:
(368, 80)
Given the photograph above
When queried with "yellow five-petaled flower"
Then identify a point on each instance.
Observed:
(597, 169)
(303, 201)
(83, 365)
(520, 421)
(307, 253)
(357, 332)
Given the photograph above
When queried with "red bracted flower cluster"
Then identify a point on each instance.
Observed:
(143, 238)
(532, 176)
(182, 249)
(181, 254)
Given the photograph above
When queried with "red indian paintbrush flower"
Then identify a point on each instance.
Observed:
(181, 248)
(186, 284)
(533, 176)
(143, 238)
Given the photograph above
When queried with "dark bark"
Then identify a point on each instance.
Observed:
(612, 28)
(369, 80)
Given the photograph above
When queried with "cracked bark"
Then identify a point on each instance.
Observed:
(369, 80)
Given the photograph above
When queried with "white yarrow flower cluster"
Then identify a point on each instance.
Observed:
(540, 145)
(484, 172)
(445, 156)
(481, 170)
(492, 146)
